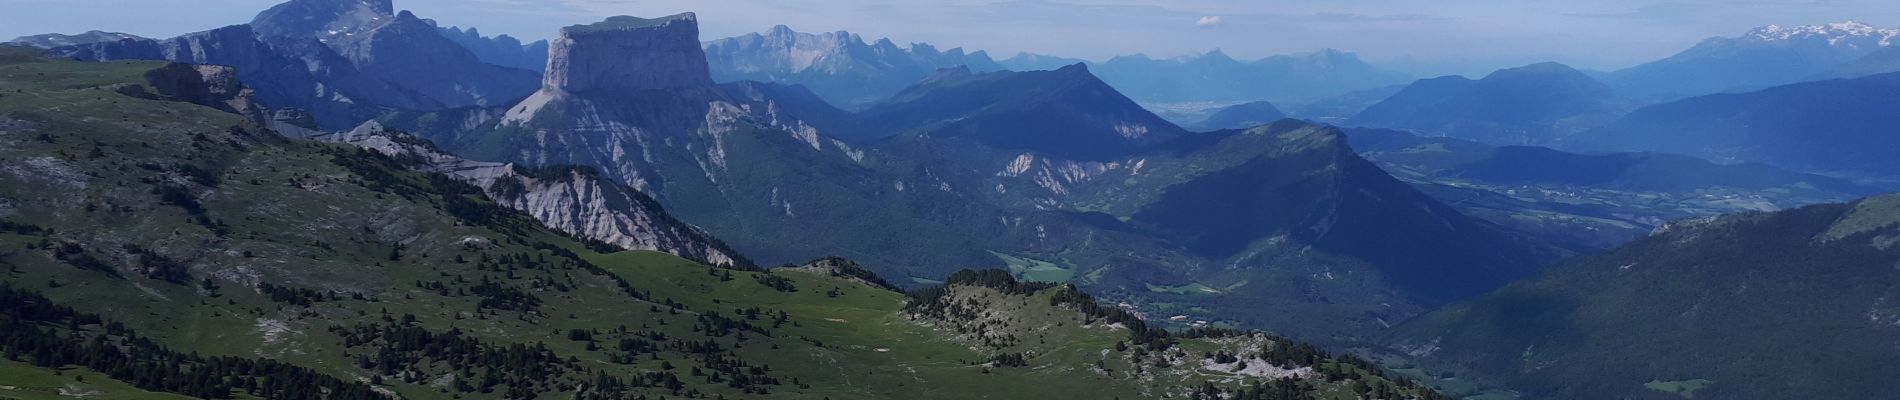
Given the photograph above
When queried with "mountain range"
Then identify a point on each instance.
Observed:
(342, 200)
(839, 66)
(1539, 104)
(1214, 76)
(1049, 173)
(1840, 127)
(196, 253)
(502, 50)
(1767, 56)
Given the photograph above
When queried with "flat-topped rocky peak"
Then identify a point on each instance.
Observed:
(629, 53)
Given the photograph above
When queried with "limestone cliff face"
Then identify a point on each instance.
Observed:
(632, 98)
(574, 200)
(629, 53)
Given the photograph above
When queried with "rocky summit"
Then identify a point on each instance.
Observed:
(629, 53)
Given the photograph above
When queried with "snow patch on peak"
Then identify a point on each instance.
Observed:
(1835, 33)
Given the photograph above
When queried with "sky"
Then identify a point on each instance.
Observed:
(1426, 37)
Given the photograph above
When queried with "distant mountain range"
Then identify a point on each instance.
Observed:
(851, 73)
(1214, 76)
(1767, 56)
(839, 66)
(1836, 126)
(1539, 104)
(500, 50)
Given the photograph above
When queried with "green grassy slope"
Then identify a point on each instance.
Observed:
(190, 240)
(1791, 304)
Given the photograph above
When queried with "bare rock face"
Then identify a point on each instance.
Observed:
(574, 200)
(322, 19)
(214, 86)
(629, 53)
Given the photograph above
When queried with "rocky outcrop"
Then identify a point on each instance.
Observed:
(215, 86)
(574, 200)
(841, 268)
(629, 53)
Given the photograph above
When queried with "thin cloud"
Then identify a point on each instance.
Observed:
(1209, 21)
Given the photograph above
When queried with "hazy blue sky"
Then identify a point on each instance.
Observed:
(1602, 34)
